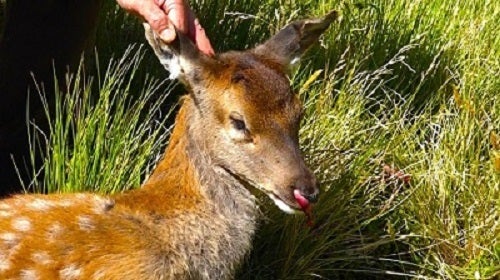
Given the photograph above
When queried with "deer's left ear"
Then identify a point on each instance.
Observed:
(293, 40)
(181, 57)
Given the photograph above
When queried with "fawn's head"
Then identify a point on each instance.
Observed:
(246, 114)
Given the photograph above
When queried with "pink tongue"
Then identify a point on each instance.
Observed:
(306, 207)
(302, 201)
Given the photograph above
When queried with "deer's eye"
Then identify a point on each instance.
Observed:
(237, 122)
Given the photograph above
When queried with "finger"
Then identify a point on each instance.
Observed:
(201, 39)
(198, 35)
(129, 6)
(177, 11)
(157, 19)
(191, 24)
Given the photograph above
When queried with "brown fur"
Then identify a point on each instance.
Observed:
(169, 229)
(194, 218)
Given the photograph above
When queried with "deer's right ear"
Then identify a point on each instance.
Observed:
(181, 57)
(293, 40)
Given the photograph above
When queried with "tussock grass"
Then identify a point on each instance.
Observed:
(100, 140)
(397, 89)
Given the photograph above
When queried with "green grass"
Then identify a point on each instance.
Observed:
(410, 85)
(103, 143)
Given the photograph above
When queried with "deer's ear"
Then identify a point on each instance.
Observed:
(293, 40)
(181, 57)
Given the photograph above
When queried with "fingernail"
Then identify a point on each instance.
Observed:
(167, 35)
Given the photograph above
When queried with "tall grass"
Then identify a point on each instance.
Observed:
(102, 142)
(402, 128)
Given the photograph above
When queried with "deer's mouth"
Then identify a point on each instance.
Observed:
(305, 205)
(283, 204)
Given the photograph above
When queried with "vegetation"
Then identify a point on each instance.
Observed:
(402, 127)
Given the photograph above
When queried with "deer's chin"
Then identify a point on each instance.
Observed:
(283, 206)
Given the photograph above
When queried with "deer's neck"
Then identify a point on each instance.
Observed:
(194, 206)
(187, 179)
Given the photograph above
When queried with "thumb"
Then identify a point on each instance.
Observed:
(158, 20)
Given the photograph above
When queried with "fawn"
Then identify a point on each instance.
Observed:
(194, 218)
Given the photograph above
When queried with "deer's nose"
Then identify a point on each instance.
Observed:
(308, 188)
(313, 198)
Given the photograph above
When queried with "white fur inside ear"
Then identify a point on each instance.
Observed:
(173, 66)
(282, 205)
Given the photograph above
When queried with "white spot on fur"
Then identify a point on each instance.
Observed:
(5, 214)
(21, 224)
(54, 231)
(5, 206)
(5, 210)
(65, 202)
(41, 258)
(40, 204)
(28, 274)
(102, 204)
(9, 239)
(81, 196)
(282, 205)
(70, 272)
(173, 66)
(85, 223)
(4, 263)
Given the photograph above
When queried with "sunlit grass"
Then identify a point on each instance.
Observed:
(396, 90)
(104, 136)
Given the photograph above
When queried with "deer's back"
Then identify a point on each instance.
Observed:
(86, 236)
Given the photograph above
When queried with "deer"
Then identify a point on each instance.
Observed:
(236, 133)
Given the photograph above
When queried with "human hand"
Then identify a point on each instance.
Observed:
(163, 15)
